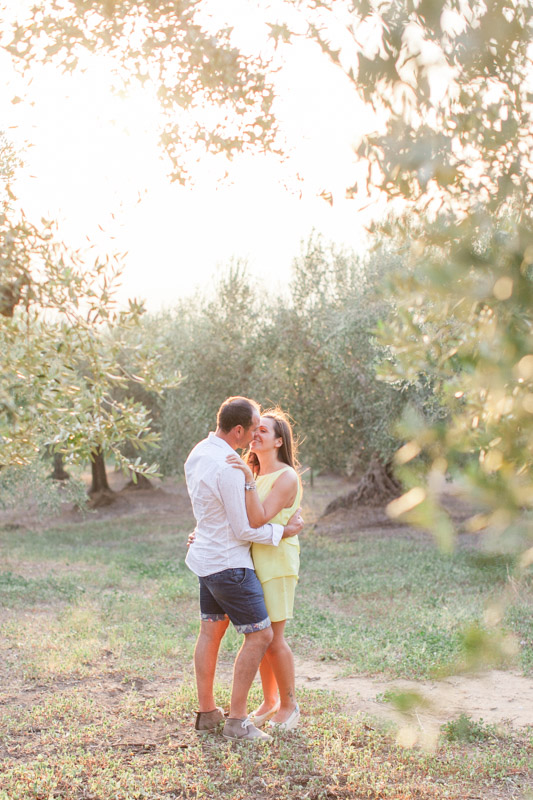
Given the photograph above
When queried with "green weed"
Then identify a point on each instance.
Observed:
(465, 729)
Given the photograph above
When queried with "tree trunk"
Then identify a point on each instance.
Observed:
(100, 493)
(59, 473)
(377, 487)
(142, 482)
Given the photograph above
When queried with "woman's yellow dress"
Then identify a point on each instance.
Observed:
(277, 567)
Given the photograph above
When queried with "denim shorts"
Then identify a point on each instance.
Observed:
(237, 594)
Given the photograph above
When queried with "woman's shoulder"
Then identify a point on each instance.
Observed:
(284, 474)
(288, 475)
(291, 471)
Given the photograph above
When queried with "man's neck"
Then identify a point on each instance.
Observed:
(227, 437)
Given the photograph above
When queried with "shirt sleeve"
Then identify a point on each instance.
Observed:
(231, 487)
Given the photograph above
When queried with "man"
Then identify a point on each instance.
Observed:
(220, 556)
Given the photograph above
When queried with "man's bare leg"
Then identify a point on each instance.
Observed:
(245, 669)
(205, 660)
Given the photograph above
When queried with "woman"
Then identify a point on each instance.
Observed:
(273, 493)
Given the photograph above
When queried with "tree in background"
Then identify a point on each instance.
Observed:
(314, 352)
(212, 342)
(348, 417)
(149, 339)
(60, 346)
(61, 339)
(319, 372)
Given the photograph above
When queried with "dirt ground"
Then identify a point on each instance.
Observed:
(494, 696)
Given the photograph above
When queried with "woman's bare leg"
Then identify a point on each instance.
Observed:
(277, 675)
(282, 662)
(269, 684)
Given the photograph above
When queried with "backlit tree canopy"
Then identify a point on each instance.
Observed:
(214, 97)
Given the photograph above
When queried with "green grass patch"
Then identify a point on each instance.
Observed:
(121, 588)
(18, 590)
(465, 729)
(398, 605)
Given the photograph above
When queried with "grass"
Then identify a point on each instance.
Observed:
(97, 628)
(71, 747)
(398, 606)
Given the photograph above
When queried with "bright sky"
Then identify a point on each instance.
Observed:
(95, 166)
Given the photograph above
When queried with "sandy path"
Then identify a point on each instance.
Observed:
(494, 696)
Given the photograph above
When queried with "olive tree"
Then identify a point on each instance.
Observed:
(451, 85)
(212, 341)
(61, 338)
(327, 354)
(62, 346)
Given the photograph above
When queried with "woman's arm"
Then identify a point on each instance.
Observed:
(280, 496)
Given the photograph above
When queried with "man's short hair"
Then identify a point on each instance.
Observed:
(236, 411)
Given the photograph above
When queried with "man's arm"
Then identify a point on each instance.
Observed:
(231, 487)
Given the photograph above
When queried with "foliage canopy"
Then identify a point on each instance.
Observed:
(214, 97)
(453, 83)
(63, 346)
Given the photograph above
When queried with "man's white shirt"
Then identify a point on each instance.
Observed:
(223, 532)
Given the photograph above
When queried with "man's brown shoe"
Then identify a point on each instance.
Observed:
(243, 730)
(208, 721)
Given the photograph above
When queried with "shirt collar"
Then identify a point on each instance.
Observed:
(216, 440)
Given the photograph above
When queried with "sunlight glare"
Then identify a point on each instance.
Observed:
(93, 163)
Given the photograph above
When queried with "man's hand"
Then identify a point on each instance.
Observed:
(294, 525)
(238, 463)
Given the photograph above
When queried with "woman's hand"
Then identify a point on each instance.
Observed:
(237, 462)
(190, 540)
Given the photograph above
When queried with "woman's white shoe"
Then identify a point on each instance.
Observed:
(290, 723)
(260, 719)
